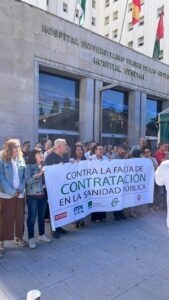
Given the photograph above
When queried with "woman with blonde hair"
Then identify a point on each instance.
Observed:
(12, 186)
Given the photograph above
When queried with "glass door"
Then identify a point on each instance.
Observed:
(58, 107)
(114, 117)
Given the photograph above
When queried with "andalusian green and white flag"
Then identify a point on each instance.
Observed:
(82, 10)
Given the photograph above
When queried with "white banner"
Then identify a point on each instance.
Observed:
(78, 189)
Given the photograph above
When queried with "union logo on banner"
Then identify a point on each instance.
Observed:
(138, 197)
(61, 216)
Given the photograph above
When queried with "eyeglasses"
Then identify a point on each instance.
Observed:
(146, 151)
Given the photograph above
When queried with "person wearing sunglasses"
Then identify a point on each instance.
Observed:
(147, 154)
(12, 189)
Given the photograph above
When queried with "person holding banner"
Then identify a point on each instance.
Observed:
(58, 156)
(122, 154)
(90, 152)
(99, 151)
(78, 155)
(36, 196)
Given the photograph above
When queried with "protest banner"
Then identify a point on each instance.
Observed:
(78, 189)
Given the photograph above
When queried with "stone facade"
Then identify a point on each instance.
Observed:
(32, 39)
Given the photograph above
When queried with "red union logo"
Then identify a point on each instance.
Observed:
(60, 216)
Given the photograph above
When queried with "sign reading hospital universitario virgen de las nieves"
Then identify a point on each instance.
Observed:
(78, 189)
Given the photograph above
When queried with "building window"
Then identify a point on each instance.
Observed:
(77, 13)
(159, 11)
(161, 56)
(115, 15)
(65, 7)
(106, 35)
(93, 21)
(93, 3)
(115, 34)
(106, 20)
(107, 3)
(114, 112)
(58, 102)
(130, 26)
(130, 7)
(130, 44)
(141, 23)
(153, 108)
(140, 41)
(115, 0)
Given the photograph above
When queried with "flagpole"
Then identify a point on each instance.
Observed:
(75, 11)
(123, 21)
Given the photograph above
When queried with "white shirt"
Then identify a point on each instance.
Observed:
(87, 154)
(162, 178)
(162, 175)
(16, 180)
(94, 157)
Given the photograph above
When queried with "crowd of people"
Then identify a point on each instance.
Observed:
(22, 182)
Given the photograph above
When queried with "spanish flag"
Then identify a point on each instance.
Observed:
(136, 8)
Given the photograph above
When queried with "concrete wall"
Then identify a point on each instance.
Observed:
(24, 47)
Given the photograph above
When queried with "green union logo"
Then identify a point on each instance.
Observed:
(90, 204)
(114, 202)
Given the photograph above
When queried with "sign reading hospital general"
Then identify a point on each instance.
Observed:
(78, 189)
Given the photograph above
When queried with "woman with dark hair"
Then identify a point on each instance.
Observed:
(78, 155)
(35, 196)
(12, 186)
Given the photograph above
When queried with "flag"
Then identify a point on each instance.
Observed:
(156, 51)
(136, 8)
(159, 36)
(160, 27)
(82, 12)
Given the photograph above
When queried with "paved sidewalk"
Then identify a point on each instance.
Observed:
(126, 260)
